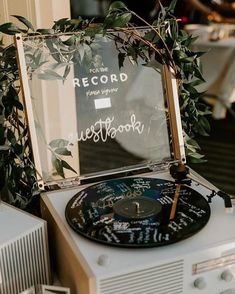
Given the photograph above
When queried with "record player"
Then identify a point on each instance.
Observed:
(125, 215)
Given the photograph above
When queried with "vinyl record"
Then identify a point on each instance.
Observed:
(137, 212)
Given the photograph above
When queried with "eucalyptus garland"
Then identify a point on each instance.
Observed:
(163, 42)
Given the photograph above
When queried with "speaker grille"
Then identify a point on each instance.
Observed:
(164, 279)
(24, 262)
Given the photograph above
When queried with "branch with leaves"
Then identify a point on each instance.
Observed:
(168, 44)
(164, 42)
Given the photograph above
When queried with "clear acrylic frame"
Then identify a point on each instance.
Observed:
(88, 115)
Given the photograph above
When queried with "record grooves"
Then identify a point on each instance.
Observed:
(137, 212)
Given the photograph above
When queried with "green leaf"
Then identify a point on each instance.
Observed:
(204, 123)
(149, 36)
(87, 52)
(93, 31)
(201, 131)
(121, 59)
(46, 31)
(196, 160)
(23, 134)
(56, 66)
(66, 72)
(56, 47)
(49, 75)
(172, 5)
(18, 149)
(63, 151)
(196, 82)
(191, 148)
(70, 41)
(59, 143)
(193, 143)
(81, 52)
(57, 164)
(198, 74)
(61, 22)
(187, 59)
(37, 59)
(196, 155)
(24, 21)
(162, 14)
(132, 52)
(121, 20)
(75, 23)
(117, 5)
(189, 87)
(67, 166)
(199, 53)
(17, 104)
(108, 22)
(11, 137)
(10, 29)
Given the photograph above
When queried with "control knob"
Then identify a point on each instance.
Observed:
(200, 283)
(227, 276)
(103, 260)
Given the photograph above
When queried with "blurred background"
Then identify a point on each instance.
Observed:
(213, 22)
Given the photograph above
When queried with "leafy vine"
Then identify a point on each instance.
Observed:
(163, 42)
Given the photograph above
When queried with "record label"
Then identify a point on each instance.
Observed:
(137, 212)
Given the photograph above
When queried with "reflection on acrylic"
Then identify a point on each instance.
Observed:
(83, 95)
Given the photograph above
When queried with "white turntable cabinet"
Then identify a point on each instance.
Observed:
(74, 109)
(204, 263)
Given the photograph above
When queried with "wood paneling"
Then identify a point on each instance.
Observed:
(42, 13)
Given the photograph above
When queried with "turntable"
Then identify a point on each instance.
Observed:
(125, 215)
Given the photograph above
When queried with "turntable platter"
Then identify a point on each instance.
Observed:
(137, 212)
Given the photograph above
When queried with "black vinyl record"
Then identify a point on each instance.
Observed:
(137, 212)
